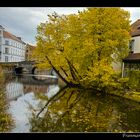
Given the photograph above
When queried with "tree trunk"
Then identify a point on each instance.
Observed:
(57, 71)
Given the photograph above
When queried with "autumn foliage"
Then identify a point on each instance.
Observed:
(82, 47)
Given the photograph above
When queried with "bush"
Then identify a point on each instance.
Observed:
(134, 80)
(5, 118)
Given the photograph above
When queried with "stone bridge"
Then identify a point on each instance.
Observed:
(28, 67)
(19, 67)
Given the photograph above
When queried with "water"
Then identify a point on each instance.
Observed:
(21, 91)
(69, 110)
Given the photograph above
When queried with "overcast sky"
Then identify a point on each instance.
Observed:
(23, 22)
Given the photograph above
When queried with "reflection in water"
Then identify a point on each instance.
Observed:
(21, 93)
(37, 106)
(14, 90)
(81, 111)
(6, 121)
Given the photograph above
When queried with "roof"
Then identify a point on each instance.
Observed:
(1, 27)
(134, 28)
(31, 46)
(11, 36)
(132, 57)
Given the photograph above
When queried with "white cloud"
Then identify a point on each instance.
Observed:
(23, 21)
(134, 13)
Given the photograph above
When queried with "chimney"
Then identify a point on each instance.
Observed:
(19, 38)
(1, 27)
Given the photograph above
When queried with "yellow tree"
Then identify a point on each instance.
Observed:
(81, 47)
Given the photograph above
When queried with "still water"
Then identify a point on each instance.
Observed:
(38, 104)
(21, 92)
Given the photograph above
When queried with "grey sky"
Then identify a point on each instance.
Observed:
(23, 21)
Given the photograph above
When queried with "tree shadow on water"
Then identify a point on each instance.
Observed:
(77, 110)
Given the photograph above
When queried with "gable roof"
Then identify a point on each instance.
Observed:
(31, 46)
(133, 57)
(134, 28)
(11, 36)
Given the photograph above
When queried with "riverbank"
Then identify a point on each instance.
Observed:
(135, 96)
(131, 95)
(5, 118)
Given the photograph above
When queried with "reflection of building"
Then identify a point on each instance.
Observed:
(29, 52)
(21, 85)
(12, 48)
(35, 88)
(14, 90)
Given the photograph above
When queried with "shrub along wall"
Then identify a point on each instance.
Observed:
(134, 79)
(5, 118)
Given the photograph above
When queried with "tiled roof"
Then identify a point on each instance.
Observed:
(1, 27)
(134, 28)
(132, 57)
(31, 46)
(11, 36)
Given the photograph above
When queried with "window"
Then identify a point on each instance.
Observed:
(6, 42)
(0, 49)
(6, 58)
(131, 45)
(0, 39)
(6, 50)
(138, 27)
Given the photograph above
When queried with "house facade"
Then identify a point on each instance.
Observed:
(12, 48)
(29, 52)
(132, 61)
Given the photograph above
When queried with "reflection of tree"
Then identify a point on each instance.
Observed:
(6, 121)
(49, 101)
(72, 110)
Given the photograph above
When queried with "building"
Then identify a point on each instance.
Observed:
(14, 90)
(12, 48)
(29, 52)
(132, 61)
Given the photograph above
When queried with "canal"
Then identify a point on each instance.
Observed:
(39, 104)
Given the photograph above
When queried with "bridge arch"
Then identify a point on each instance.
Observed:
(18, 70)
(33, 70)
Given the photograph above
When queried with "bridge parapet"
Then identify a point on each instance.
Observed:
(11, 66)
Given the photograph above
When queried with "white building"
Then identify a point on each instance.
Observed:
(132, 61)
(12, 48)
(135, 37)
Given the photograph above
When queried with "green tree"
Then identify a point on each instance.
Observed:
(82, 47)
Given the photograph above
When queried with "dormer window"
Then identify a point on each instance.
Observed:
(6, 42)
(138, 27)
(131, 45)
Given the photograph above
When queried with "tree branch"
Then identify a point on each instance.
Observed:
(50, 101)
(64, 71)
(74, 68)
(74, 76)
(57, 71)
(70, 97)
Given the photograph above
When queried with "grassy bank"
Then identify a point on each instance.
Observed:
(5, 119)
(135, 96)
